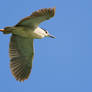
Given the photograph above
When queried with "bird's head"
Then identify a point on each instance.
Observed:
(47, 34)
(41, 33)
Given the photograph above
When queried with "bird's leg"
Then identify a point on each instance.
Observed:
(5, 31)
(2, 30)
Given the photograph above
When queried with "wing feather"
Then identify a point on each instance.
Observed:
(37, 17)
(21, 54)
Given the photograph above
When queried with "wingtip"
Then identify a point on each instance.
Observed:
(54, 9)
(20, 71)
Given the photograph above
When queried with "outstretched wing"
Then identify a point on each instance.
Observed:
(37, 17)
(21, 54)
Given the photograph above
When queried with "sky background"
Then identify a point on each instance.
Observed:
(63, 64)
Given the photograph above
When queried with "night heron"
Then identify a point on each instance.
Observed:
(21, 43)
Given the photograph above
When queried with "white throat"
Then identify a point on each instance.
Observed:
(39, 33)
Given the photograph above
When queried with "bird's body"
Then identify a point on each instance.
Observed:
(35, 33)
(21, 49)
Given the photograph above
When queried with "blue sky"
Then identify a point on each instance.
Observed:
(63, 64)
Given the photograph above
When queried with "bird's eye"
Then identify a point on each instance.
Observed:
(46, 32)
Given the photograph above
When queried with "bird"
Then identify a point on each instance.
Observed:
(21, 50)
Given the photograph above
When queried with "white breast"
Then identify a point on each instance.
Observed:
(38, 33)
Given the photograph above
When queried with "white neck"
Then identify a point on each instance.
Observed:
(39, 33)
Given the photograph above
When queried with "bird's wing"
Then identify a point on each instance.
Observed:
(37, 17)
(21, 54)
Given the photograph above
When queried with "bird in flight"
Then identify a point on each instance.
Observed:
(21, 50)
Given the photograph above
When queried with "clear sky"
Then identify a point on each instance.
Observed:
(63, 64)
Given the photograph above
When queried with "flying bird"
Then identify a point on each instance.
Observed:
(21, 49)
